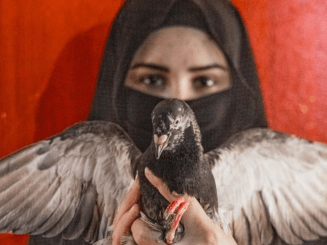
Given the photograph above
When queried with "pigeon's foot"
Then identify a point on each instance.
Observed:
(176, 209)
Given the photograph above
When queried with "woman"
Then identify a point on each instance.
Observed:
(133, 80)
(195, 50)
(114, 101)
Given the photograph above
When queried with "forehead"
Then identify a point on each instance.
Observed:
(179, 46)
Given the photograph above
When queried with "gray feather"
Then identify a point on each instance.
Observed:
(83, 216)
(9, 198)
(275, 183)
(19, 159)
(48, 208)
(19, 207)
(64, 203)
(63, 222)
(91, 233)
(48, 159)
(64, 183)
(21, 224)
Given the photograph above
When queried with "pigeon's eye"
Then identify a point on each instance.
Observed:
(203, 81)
(153, 81)
(177, 122)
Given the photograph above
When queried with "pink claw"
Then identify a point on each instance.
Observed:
(172, 207)
(177, 211)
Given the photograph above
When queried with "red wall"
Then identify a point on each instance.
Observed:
(50, 53)
(289, 40)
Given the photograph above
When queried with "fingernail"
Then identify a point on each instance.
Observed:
(135, 208)
(147, 171)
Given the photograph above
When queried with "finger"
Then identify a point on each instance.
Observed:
(160, 185)
(132, 197)
(144, 235)
(125, 223)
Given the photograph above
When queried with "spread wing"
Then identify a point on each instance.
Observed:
(275, 185)
(71, 183)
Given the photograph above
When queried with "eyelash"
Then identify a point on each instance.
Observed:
(200, 79)
(151, 77)
(198, 82)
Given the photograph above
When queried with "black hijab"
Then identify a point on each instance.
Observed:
(219, 115)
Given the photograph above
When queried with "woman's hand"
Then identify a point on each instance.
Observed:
(199, 228)
(127, 213)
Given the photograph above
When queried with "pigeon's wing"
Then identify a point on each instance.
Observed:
(71, 183)
(274, 184)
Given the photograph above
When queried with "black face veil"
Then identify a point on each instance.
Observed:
(227, 112)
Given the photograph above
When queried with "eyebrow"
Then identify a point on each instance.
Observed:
(151, 66)
(207, 67)
(165, 69)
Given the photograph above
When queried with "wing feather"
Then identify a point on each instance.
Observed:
(46, 213)
(63, 203)
(9, 198)
(18, 160)
(47, 207)
(35, 209)
(84, 215)
(63, 220)
(91, 233)
(241, 230)
(276, 185)
(71, 183)
(260, 211)
(282, 223)
(15, 208)
(258, 219)
(300, 218)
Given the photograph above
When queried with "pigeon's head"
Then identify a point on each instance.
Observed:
(169, 119)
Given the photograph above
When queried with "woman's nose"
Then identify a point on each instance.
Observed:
(181, 88)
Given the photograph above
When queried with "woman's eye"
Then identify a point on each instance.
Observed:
(201, 82)
(153, 80)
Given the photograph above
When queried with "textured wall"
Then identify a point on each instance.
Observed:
(49, 58)
(290, 47)
(50, 53)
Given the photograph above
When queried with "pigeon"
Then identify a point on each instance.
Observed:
(175, 155)
(271, 188)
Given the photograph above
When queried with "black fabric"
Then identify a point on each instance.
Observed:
(211, 112)
(185, 13)
(138, 117)
(134, 23)
(219, 115)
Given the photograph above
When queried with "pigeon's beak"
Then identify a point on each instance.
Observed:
(161, 143)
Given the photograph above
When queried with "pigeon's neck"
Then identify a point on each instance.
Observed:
(184, 158)
(180, 168)
(191, 143)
